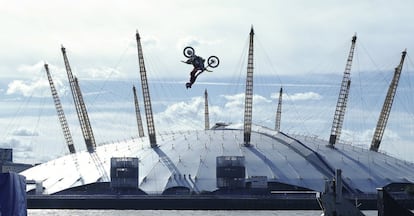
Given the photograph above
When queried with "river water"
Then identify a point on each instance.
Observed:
(53, 212)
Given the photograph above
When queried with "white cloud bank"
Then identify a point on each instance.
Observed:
(34, 88)
(25, 132)
(298, 96)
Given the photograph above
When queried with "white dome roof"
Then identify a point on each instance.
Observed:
(188, 159)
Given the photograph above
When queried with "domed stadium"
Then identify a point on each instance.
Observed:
(226, 158)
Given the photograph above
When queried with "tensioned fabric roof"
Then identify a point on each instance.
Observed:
(188, 159)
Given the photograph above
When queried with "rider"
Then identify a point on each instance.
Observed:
(198, 64)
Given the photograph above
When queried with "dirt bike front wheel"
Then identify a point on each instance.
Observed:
(213, 61)
(188, 51)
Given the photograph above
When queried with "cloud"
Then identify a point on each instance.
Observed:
(39, 85)
(237, 101)
(16, 144)
(392, 142)
(194, 42)
(298, 96)
(234, 101)
(104, 73)
(188, 41)
(186, 115)
(182, 110)
(36, 88)
(25, 132)
(28, 88)
(30, 69)
(22, 151)
(150, 41)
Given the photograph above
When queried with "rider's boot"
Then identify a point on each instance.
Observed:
(188, 85)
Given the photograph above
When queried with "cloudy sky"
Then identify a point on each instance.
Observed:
(300, 45)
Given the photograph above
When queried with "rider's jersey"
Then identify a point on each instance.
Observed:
(198, 62)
